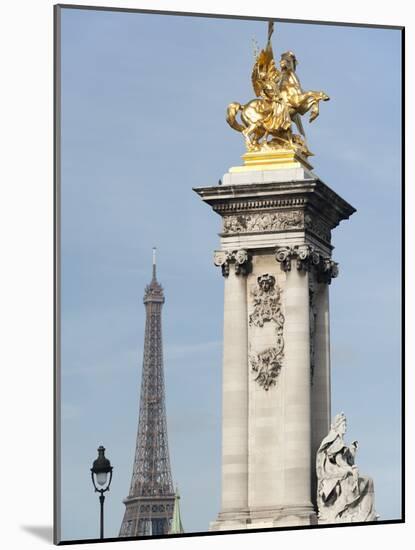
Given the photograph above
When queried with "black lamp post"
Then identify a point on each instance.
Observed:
(101, 467)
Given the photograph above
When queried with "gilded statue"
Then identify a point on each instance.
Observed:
(343, 495)
(267, 122)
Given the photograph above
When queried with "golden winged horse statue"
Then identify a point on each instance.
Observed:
(280, 102)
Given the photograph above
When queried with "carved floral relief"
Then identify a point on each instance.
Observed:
(267, 366)
(267, 308)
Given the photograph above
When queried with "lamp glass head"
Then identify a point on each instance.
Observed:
(101, 478)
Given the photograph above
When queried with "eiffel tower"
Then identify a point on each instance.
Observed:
(150, 503)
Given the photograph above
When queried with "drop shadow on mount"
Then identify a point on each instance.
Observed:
(44, 532)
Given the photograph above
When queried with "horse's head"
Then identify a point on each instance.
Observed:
(288, 62)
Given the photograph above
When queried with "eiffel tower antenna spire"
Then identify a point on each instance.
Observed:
(154, 263)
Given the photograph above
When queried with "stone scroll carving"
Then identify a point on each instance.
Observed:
(343, 495)
(267, 308)
(261, 222)
(327, 271)
(223, 258)
(307, 258)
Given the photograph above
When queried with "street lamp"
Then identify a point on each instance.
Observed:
(101, 467)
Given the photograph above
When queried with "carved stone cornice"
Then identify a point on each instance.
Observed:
(241, 259)
(324, 207)
(316, 225)
(307, 258)
(258, 203)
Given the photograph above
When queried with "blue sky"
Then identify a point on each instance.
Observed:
(143, 121)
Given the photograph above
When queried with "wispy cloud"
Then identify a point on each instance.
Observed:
(181, 350)
(122, 360)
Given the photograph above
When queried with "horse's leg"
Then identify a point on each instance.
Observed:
(310, 101)
(258, 134)
(315, 105)
(315, 110)
(250, 143)
(305, 102)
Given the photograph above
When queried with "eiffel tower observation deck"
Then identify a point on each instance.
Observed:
(150, 503)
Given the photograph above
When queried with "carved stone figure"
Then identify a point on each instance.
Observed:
(266, 302)
(343, 495)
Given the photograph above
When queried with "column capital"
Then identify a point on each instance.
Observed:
(241, 259)
(307, 259)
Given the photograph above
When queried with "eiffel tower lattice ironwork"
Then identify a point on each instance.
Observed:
(150, 503)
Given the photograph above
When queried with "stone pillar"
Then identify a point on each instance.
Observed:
(321, 376)
(297, 395)
(234, 388)
(276, 365)
(266, 393)
(320, 381)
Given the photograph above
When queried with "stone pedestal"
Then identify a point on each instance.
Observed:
(275, 255)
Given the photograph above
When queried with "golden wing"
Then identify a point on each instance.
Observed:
(264, 69)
